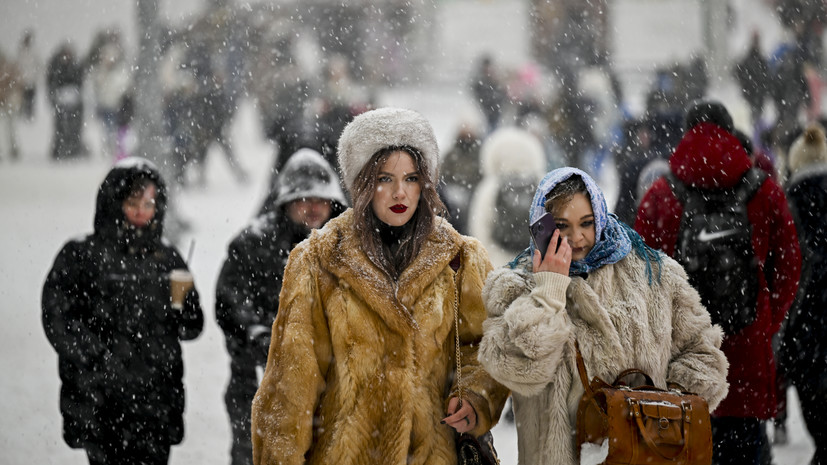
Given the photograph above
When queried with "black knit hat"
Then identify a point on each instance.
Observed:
(709, 111)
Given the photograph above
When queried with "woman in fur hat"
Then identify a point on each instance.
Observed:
(627, 305)
(361, 367)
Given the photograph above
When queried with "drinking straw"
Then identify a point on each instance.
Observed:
(189, 254)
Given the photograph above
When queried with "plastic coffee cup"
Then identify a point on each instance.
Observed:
(180, 282)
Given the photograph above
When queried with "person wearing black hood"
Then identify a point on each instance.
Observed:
(108, 314)
(247, 292)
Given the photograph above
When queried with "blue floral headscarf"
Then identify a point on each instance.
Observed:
(613, 239)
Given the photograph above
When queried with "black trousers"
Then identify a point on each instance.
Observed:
(239, 399)
(811, 396)
(740, 441)
(118, 454)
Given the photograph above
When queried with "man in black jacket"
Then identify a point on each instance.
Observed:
(247, 292)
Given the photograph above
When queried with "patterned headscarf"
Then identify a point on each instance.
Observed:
(613, 239)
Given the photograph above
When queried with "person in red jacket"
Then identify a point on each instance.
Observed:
(709, 156)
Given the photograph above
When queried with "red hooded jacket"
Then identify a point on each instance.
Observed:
(710, 157)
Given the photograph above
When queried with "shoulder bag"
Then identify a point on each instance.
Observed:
(643, 425)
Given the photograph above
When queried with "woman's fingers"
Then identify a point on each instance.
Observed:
(464, 419)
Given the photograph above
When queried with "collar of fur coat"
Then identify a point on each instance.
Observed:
(339, 253)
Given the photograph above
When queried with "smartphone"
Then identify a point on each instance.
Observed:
(541, 232)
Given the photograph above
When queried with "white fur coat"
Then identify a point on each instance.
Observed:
(620, 322)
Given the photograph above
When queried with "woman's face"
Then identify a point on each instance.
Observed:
(575, 220)
(397, 189)
(139, 208)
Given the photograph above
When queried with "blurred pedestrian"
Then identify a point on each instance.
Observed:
(461, 173)
(362, 362)
(282, 92)
(752, 73)
(604, 289)
(109, 315)
(710, 161)
(30, 68)
(64, 81)
(512, 162)
(631, 156)
(247, 292)
(804, 348)
(570, 117)
(489, 91)
(111, 80)
(337, 103)
(11, 94)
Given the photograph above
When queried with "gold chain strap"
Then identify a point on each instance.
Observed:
(460, 389)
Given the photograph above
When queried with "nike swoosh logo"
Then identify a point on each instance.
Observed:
(705, 236)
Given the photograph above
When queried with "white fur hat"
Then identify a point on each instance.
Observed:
(810, 147)
(378, 129)
(511, 150)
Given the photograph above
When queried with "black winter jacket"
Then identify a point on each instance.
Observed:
(247, 291)
(107, 313)
(804, 352)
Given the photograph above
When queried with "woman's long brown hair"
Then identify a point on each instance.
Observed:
(367, 224)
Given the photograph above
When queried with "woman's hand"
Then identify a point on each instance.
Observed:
(558, 261)
(463, 419)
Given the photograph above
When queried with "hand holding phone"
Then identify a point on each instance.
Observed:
(541, 232)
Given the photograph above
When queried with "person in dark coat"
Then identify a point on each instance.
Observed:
(108, 314)
(752, 73)
(461, 173)
(710, 157)
(488, 91)
(247, 292)
(64, 81)
(804, 351)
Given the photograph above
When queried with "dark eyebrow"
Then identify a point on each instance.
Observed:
(391, 174)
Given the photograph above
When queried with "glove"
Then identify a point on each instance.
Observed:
(259, 336)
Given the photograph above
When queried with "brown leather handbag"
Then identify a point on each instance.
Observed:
(643, 425)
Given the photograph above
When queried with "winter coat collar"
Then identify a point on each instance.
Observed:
(342, 256)
(709, 157)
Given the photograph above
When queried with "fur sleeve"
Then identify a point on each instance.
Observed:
(697, 362)
(526, 333)
(300, 352)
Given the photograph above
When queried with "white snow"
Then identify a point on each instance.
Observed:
(43, 204)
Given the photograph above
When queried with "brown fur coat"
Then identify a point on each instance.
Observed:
(360, 368)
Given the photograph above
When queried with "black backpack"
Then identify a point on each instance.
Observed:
(715, 248)
(510, 228)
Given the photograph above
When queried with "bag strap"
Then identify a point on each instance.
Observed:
(634, 371)
(581, 369)
(455, 263)
(686, 408)
(749, 184)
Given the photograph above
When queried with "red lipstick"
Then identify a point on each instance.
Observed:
(399, 208)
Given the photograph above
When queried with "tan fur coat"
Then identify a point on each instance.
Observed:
(360, 368)
(620, 322)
